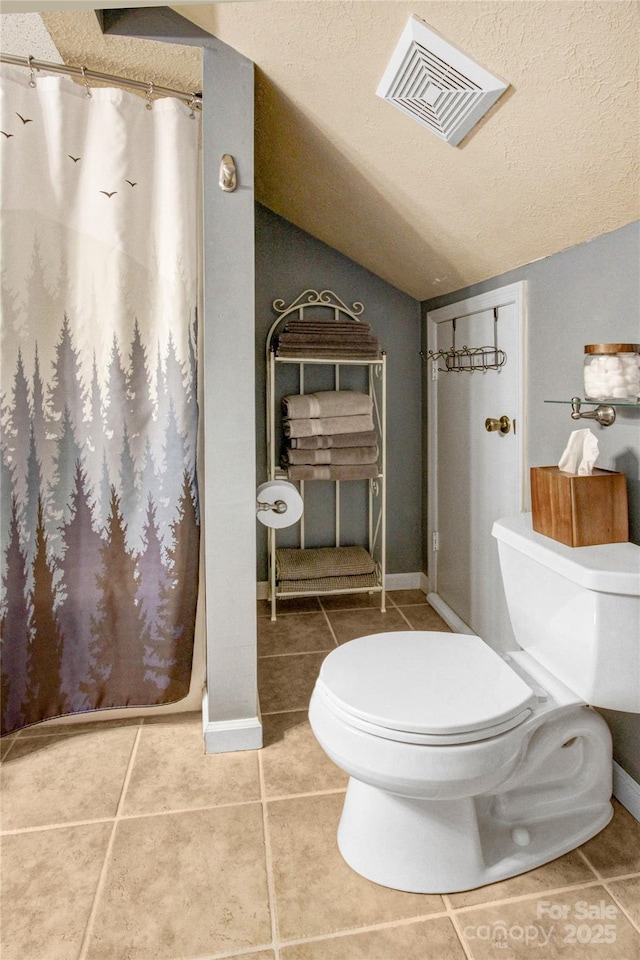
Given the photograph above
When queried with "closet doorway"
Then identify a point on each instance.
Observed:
(476, 475)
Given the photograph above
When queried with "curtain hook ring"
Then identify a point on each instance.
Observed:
(150, 96)
(191, 104)
(32, 76)
(88, 94)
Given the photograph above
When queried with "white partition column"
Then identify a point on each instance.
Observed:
(228, 482)
(230, 708)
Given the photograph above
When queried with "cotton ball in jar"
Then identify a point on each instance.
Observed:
(611, 371)
(612, 364)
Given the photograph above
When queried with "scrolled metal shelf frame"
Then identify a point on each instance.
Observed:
(376, 366)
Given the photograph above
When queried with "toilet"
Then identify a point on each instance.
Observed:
(468, 766)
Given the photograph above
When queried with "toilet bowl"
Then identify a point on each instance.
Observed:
(467, 766)
(494, 777)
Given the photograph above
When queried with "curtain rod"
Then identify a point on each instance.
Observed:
(192, 99)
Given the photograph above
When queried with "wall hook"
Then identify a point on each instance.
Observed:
(228, 179)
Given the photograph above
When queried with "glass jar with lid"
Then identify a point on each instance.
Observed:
(612, 371)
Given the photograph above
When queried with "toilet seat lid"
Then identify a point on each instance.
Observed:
(425, 682)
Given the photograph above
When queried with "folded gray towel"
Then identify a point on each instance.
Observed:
(307, 471)
(327, 403)
(315, 562)
(316, 426)
(330, 352)
(326, 336)
(328, 325)
(336, 455)
(365, 439)
(329, 584)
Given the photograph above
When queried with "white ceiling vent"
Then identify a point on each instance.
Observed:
(436, 84)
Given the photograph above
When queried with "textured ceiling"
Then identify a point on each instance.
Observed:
(25, 34)
(554, 163)
(79, 39)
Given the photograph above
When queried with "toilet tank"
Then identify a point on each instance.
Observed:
(575, 610)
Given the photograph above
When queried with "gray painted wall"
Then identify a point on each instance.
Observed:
(288, 261)
(587, 294)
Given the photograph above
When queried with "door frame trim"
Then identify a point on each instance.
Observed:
(513, 293)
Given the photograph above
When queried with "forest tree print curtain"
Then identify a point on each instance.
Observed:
(98, 406)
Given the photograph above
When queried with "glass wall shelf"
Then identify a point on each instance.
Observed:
(633, 404)
(604, 413)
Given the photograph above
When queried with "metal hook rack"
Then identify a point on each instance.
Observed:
(469, 359)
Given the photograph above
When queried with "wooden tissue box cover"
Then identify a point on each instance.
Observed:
(580, 511)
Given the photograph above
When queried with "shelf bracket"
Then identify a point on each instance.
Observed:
(604, 413)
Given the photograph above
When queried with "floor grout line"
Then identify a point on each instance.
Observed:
(328, 621)
(287, 613)
(78, 729)
(605, 881)
(588, 863)
(11, 743)
(453, 919)
(273, 910)
(365, 928)
(131, 816)
(294, 653)
(54, 826)
(567, 888)
(302, 796)
(406, 620)
(181, 810)
(621, 906)
(228, 954)
(82, 955)
(274, 713)
(455, 915)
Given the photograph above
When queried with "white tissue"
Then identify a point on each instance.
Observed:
(580, 454)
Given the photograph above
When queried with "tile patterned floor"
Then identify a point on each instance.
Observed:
(122, 841)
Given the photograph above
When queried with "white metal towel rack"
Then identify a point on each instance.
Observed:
(307, 306)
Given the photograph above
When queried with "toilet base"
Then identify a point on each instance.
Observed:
(445, 846)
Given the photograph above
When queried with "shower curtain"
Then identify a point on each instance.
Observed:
(98, 405)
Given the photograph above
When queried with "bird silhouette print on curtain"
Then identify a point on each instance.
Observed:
(98, 412)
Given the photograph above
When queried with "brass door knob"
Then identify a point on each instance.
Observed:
(503, 424)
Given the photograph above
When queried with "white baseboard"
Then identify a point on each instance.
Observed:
(626, 790)
(392, 581)
(227, 736)
(403, 581)
(450, 618)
